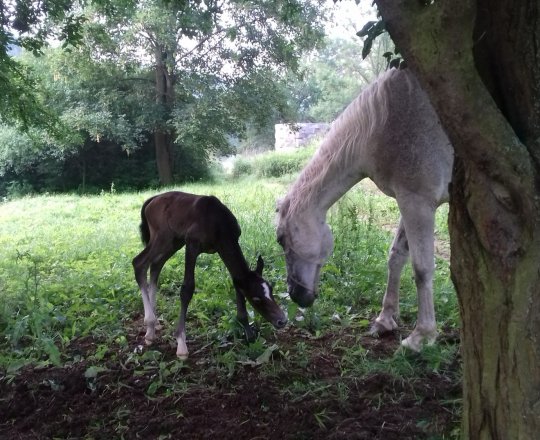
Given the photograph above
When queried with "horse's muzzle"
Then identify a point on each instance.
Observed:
(300, 295)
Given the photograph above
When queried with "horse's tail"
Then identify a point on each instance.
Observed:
(145, 230)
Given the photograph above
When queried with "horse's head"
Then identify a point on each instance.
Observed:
(259, 294)
(307, 242)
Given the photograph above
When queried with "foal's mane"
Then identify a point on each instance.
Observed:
(348, 133)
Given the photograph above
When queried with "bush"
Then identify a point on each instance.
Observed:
(272, 164)
(242, 167)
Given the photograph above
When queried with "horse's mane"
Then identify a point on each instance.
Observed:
(352, 129)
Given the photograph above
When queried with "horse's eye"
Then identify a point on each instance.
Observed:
(280, 240)
(256, 299)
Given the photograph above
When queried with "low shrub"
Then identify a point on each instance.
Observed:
(272, 164)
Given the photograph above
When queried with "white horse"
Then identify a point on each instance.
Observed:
(391, 134)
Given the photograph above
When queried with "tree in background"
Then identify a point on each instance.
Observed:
(28, 25)
(179, 76)
(334, 75)
(211, 45)
(479, 62)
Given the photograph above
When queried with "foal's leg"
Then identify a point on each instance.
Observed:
(419, 221)
(140, 265)
(398, 255)
(186, 293)
(166, 252)
(242, 316)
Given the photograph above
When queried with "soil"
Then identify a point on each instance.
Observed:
(316, 400)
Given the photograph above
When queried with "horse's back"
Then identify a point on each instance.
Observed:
(411, 152)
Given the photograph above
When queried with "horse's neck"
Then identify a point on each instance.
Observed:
(327, 184)
(234, 260)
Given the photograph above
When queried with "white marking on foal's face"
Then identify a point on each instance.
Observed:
(266, 289)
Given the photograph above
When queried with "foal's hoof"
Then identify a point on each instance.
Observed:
(181, 349)
(251, 333)
(381, 327)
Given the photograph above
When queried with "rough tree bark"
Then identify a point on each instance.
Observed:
(480, 63)
(162, 137)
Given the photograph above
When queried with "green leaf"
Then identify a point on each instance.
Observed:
(153, 387)
(52, 351)
(265, 357)
(93, 371)
(366, 29)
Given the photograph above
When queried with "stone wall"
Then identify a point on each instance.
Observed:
(289, 136)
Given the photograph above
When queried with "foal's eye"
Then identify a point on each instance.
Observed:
(256, 299)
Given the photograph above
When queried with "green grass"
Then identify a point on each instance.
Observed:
(68, 298)
(65, 271)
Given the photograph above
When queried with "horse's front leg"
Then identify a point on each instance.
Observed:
(419, 221)
(398, 255)
(243, 318)
(186, 293)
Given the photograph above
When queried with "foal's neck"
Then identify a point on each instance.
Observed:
(231, 254)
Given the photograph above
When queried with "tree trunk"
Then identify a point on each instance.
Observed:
(162, 137)
(486, 91)
(164, 157)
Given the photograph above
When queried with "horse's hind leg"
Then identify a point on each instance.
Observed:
(156, 266)
(140, 265)
(419, 221)
(398, 255)
(186, 293)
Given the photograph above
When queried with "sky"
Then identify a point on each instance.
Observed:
(349, 17)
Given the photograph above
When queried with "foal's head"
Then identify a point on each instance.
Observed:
(307, 242)
(259, 294)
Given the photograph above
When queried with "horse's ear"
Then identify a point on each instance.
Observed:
(282, 205)
(260, 266)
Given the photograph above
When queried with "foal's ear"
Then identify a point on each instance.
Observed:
(260, 266)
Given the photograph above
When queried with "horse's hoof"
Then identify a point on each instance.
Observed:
(380, 327)
(415, 341)
(148, 341)
(182, 356)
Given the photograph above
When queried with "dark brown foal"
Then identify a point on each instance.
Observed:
(204, 225)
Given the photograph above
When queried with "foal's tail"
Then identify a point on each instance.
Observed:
(145, 230)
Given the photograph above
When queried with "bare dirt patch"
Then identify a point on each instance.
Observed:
(319, 398)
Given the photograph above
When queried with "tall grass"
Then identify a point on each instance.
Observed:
(65, 269)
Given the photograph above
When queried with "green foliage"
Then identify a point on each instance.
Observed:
(373, 30)
(272, 164)
(101, 95)
(334, 76)
(29, 25)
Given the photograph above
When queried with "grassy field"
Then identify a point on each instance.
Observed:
(66, 278)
